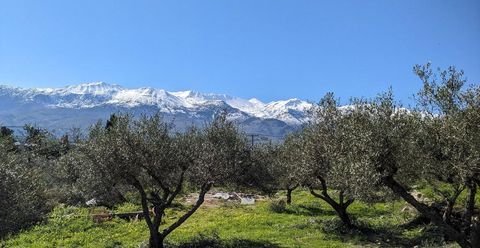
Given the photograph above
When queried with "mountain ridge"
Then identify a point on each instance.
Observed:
(86, 103)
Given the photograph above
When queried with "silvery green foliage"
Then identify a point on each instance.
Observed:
(262, 170)
(147, 150)
(436, 144)
(130, 150)
(290, 161)
(108, 153)
(220, 150)
(77, 180)
(22, 195)
(451, 144)
(319, 142)
(335, 148)
(382, 141)
(451, 129)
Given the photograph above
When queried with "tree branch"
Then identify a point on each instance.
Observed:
(178, 188)
(348, 202)
(157, 180)
(324, 186)
(205, 188)
(135, 183)
(312, 191)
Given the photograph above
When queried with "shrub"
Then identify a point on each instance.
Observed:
(279, 206)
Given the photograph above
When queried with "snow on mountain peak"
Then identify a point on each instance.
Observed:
(290, 104)
(184, 94)
(96, 94)
(94, 88)
(256, 101)
(147, 96)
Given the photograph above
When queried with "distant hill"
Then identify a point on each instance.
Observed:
(59, 109)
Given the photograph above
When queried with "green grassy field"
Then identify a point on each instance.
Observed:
(308, 222)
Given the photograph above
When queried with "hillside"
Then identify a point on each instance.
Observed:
(82, 105)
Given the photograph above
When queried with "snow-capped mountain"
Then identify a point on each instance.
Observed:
(84, 104)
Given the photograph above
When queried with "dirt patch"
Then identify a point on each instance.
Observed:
(218, 198)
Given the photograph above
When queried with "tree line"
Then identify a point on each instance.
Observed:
(371, 150)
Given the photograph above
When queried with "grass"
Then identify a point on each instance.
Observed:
(308, 222)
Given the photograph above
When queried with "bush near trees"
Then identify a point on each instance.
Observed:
(368, 151)
(23, 200)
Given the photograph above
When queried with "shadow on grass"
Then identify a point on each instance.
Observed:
(367, 212)
(303, 210)
(386, 236)
(313, 211)
(214, 241)
(415, 232)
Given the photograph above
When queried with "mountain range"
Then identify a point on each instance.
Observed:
(80, 106)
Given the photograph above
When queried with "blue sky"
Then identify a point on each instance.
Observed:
(269, 49)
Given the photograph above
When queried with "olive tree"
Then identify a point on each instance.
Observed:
(333, 165)
(324, 165)
(450, 141)
(146, 156)
(41, 142)
(438, 144)
(22, 193)
(288, 161)
(257, 170)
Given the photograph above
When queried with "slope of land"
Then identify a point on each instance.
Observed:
(308, 222)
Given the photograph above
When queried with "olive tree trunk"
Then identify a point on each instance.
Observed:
(339, 207)
(289, 194)
(428, 212)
